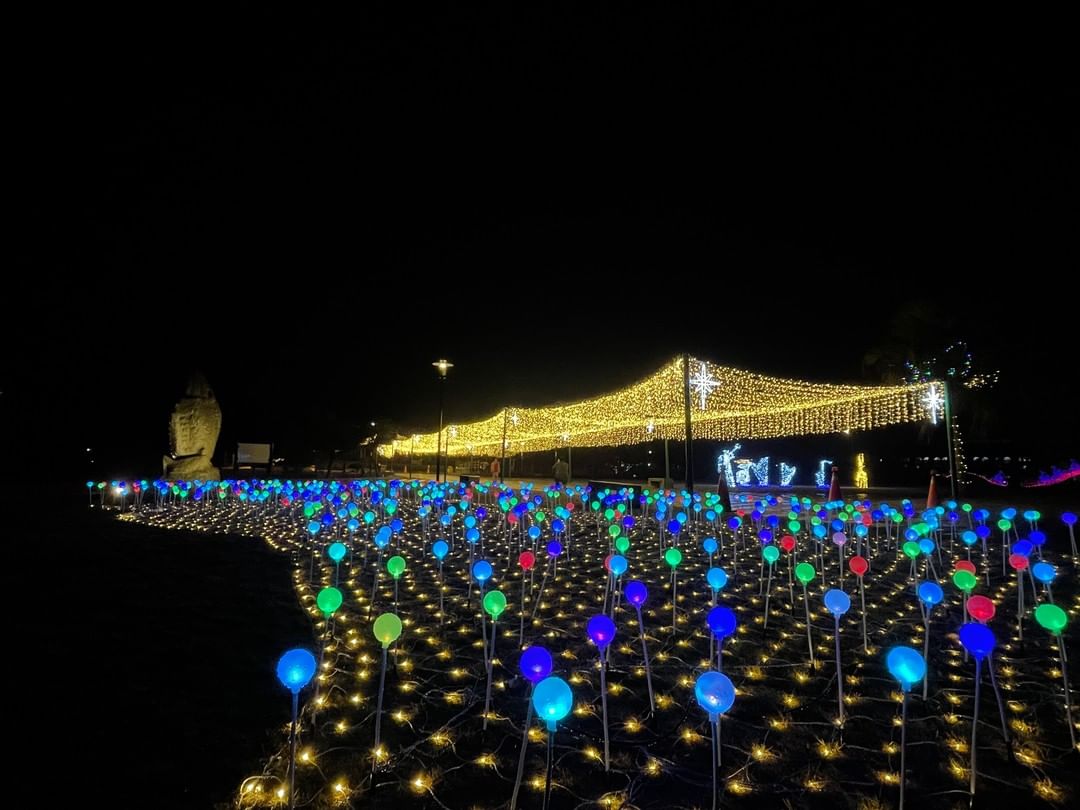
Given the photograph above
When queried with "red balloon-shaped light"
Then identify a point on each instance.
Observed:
(980, 609)
(607, 562)
(858, 565)
(787, 543)
(966, 565)
(1018, 561)
(527, 560)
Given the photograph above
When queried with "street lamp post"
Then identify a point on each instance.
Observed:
(443, 366)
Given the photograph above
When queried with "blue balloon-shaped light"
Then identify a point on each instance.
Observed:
(837, 602)
(926, 546)
(1068, 518)
(295, 669)
(1022, 547)
(709, 544)
(439, 548)
(636, 593)
(552, 700)
(714, 692)
(534, 532)
(674, 526)
(601, 630)
(535, 664)
(313, 527)
(721, 621)
(481, 570)
(930, 594)
(977, 639)
(1037, 538)
(472, 536)
(906, 665)
(382, 537)
(969, 537)
(717, 578)
(618, 565)
(554, 548)
(1044, 572)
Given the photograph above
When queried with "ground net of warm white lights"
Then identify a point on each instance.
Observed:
(767, 596)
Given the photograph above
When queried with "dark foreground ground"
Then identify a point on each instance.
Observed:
(155, 685)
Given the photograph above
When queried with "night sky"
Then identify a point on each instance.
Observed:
(557, 205)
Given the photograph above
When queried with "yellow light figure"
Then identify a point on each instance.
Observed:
(862, 479)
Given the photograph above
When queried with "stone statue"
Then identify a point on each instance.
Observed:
(193, 434)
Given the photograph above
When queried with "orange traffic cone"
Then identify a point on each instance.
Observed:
(931, 494)
(834, 486)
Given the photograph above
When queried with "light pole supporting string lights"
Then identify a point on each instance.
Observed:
(443, 366)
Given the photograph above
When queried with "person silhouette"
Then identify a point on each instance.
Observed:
(560, 470)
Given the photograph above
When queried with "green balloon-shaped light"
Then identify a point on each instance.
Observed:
(804, 572)
(328, 600)
(386, 629)
(673, 556)
(771, 554)
(396, 566)
(622, 544)
(614, 530)
(1051, 617)
(964, 580)
(911, 549)
(495, 603)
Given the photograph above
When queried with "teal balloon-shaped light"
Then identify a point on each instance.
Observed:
(906, 665)
(552, 700)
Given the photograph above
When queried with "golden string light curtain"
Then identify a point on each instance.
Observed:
(725, 404)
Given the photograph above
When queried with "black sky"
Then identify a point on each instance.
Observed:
(557, 203)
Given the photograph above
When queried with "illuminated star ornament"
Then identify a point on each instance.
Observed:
(703, 384)
(934, 402)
